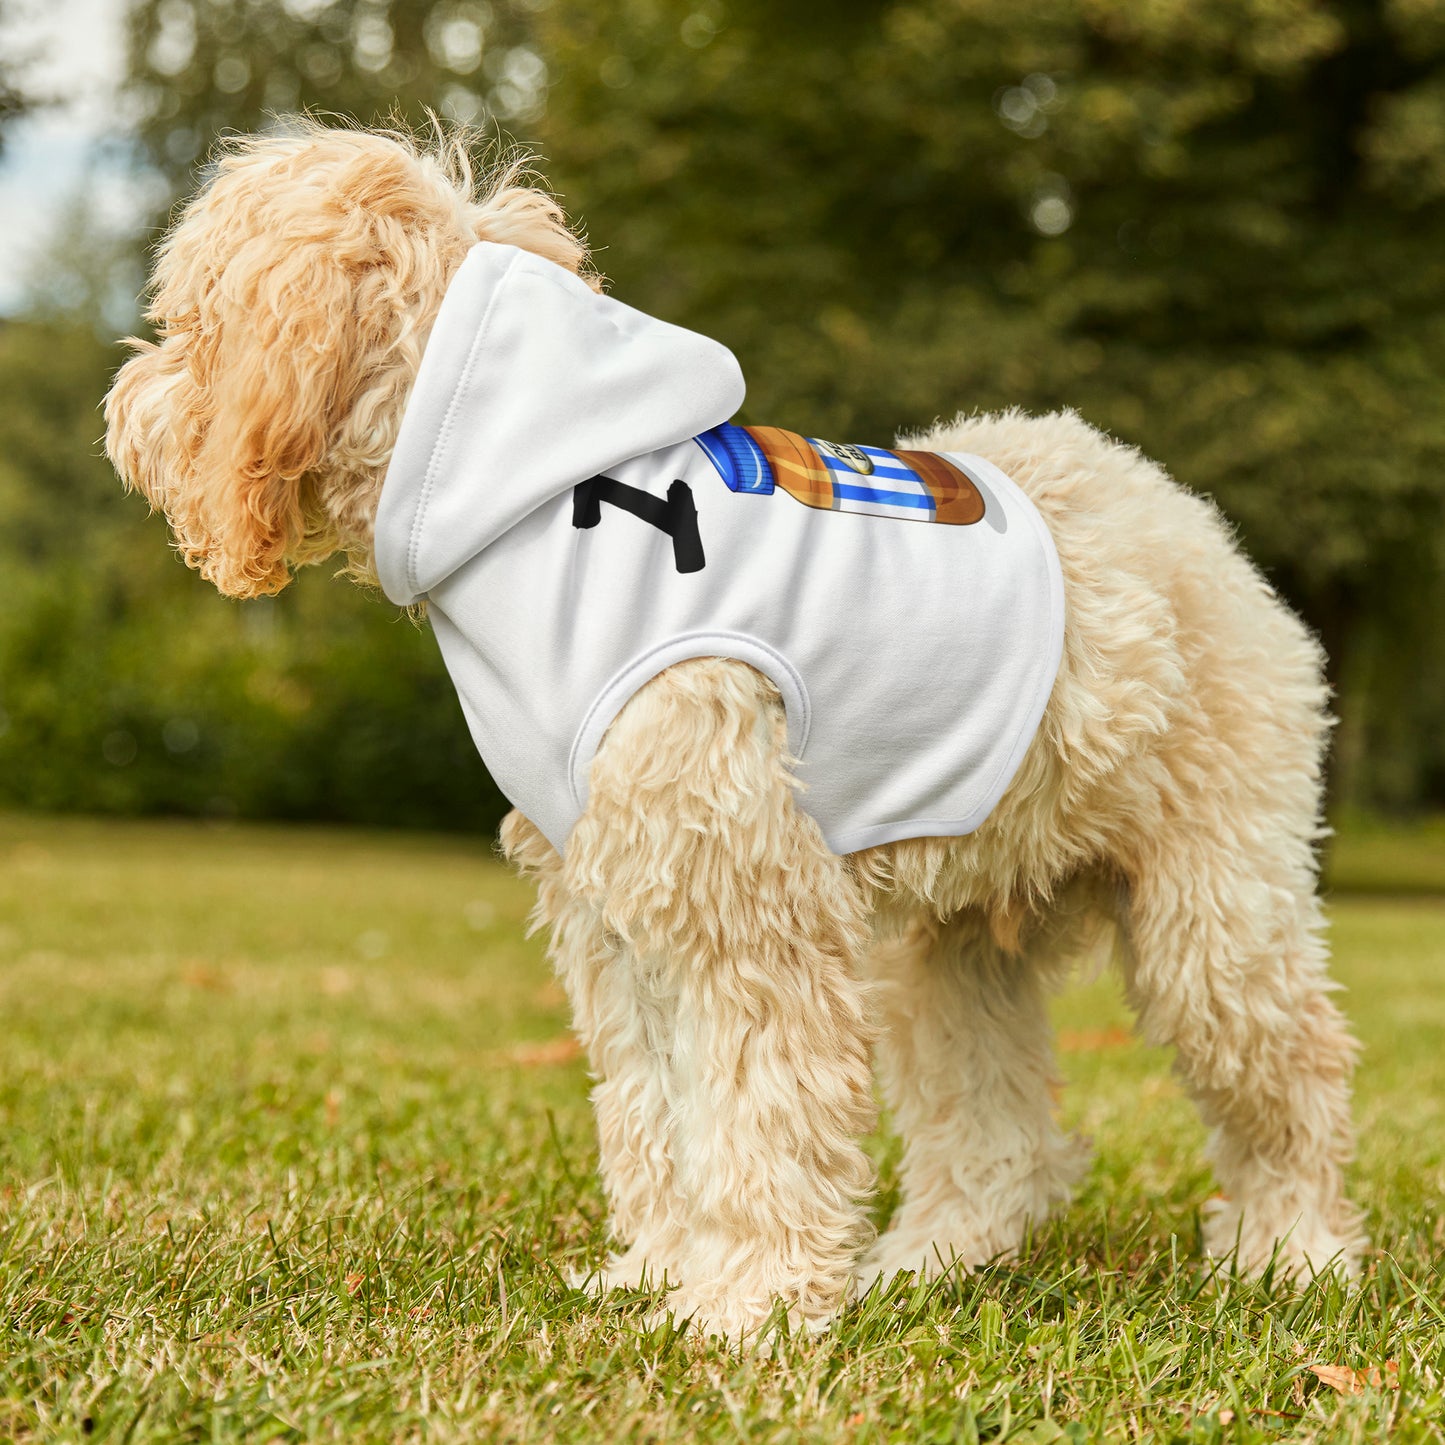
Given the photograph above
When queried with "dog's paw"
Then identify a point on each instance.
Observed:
(925, 1260)
(634, 1270)
(751, 1324)
(964, 1229)
(1298, 1245)
(928, 1253)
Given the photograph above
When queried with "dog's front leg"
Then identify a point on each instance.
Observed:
(741, 932)
(624, 1023)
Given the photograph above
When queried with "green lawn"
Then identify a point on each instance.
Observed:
(292, 1146)
(1371, 856)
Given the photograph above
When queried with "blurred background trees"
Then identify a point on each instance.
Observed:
(12, 99)
(1214, 227)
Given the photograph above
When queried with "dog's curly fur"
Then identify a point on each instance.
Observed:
(730, 977)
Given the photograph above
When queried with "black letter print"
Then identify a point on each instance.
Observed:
(677, 516)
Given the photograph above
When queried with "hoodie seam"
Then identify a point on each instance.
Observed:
(448, 421)
(633, 676)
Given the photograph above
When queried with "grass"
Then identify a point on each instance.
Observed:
(1370, 855)
(292, 1147)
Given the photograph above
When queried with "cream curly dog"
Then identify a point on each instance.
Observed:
(731, 976)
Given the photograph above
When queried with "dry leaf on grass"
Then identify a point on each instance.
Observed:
(1355, 1382)
(1088, 1041)
(195, 974)
(552, 1051)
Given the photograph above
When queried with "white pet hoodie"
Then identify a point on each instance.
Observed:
(566, 495)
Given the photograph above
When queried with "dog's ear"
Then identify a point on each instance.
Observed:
(274, 358)
(293, 300)
(221, 423)
(147, 411)
(284, 300)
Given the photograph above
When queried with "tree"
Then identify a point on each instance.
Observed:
(14, 100)
(199, 68)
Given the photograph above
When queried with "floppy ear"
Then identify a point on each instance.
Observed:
(273, 363)
(294, 297)
(220, 424)
(145, 411)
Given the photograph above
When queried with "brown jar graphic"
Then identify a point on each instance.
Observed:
(907, 485)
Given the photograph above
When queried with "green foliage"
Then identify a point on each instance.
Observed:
(12, 104)
(276, 1161)
(127, 685)
(303, 708)
(14, 101)
(201, 67)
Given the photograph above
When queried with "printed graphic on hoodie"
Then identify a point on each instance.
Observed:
(911, 486)
(676, 516)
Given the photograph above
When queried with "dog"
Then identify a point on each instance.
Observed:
(733, 966)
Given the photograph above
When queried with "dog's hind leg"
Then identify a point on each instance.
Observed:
(625, 1026)
(694, 855)
(966, 1062)
(1227, 964)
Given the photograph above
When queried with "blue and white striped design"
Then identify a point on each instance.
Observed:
(891, 489)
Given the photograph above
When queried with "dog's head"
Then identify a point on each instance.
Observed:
(292, 300)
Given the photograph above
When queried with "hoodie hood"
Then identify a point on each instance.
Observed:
(531, 383)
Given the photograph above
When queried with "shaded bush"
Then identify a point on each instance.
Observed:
(128, 686)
